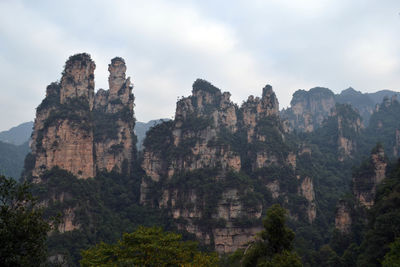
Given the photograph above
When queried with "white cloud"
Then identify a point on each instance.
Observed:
(238, 45)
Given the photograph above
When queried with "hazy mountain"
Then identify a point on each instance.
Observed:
(17, 135)
(141, 129)
(12, 159)
(365, 103)
(377, 97)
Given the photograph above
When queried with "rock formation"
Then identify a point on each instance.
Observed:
(199, 163)
(349, 127)
(308, 109)
(307, 191)
(343, 217)
(366, 181)
(79, 132)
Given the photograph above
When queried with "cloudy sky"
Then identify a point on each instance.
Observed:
(239, 46)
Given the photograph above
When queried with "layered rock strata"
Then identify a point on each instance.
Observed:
(80, 132)
(308, 109)
(197, 165)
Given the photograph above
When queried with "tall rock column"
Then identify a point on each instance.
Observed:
(78, 79)
(63, 130)
(80, 132)
(114, 121)
(366, 181)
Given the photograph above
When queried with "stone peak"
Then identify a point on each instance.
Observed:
(267, 91)
(83, 59)
(205, 86)
(117, 59)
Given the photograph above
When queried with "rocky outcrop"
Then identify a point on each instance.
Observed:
(115, 147)
(256, 109)
(308, 109)
(343, 217)
(67, 221)
(349, 127)
(367, 179)
(196, 162)
(78, 79)
(307, 191)
(81, 133)
(363, 103)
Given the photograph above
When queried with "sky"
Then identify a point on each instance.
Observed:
(237, 45)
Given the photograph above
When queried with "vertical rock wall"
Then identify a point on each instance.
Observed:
(211, 141)
(79, 132)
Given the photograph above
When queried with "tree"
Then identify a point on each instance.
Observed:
(23, 231)
(274, 244)
(392, 258)
(148, 247)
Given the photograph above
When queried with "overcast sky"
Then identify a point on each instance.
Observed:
(239, 46)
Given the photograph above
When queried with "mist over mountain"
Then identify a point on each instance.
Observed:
(17, 135)
(141, 129)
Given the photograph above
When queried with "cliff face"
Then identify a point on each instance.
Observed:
(198, 165)
(343, 217)
(114, 147)
(309, 109)
(349, 127)
(79, 132)
(365, 182)
(385, 124)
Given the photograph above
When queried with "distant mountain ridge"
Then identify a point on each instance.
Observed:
(14, 146)
(17, 135)
(308, 109)
(141, 129)
(12, 159)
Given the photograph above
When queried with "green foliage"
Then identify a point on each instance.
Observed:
(392, 258)
(270, 128)
(106, 124)
(284, 259)
(52, 99)
(274, 244)
(195, 123)
(159, 138)
(23, 231)
(382, 127)
(203, 85)
(384, 221)
(82, 57)
(148, 247)
(96, 204)
(75, 110)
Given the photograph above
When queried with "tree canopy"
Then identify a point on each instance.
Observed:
(23, 231)
(274, 244)
(148, 246)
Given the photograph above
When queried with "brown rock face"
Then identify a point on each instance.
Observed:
(80, 133)
(309, 109)
(348, 121)
(195, 160)
(115, 147)
(256, 109)
(343, 218)
(78, 79)
(364, 184)
(67, 147)
(307, 191)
